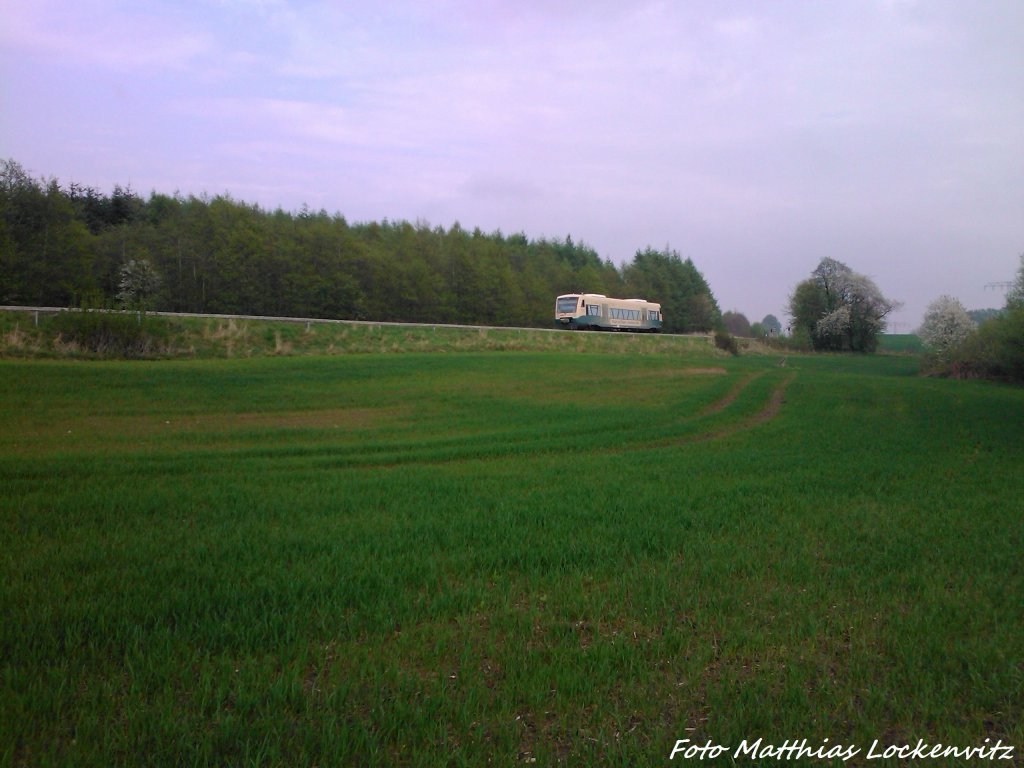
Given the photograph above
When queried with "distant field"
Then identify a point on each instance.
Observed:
(504, 557)
(900, 342)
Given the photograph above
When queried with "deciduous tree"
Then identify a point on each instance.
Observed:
(1015, 297)
(840, 309)
(737, 324)
(946, 324)
(771, 325)
(138, 285)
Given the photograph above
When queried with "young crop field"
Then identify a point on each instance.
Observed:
(506, 557)
(909, 343)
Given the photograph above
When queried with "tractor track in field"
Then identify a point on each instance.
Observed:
(725, 401)
(770, 410)
(772, 406)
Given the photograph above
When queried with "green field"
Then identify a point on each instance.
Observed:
(505, 558)
(908, 343)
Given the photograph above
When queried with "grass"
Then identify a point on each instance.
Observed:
(22, 335)
(906, 343)
(428, 559)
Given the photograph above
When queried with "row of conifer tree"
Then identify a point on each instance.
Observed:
(63, 245)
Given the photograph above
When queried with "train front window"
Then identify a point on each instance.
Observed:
(566, 304)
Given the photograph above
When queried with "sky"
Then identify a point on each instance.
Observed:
(753, 137)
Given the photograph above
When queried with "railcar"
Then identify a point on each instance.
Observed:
(596, 312)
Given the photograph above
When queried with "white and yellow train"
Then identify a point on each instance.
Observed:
(596, 312)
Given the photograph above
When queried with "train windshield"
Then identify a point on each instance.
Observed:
(566, 304)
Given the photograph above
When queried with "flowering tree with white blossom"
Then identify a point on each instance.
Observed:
(1015, 297)
(840, 309)
(138, 283)
(946, 325)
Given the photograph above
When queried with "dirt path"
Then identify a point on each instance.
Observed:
(724, 402)
(767, 413)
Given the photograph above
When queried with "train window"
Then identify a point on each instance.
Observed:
(652, 314)
(566, 304)
(593, 309)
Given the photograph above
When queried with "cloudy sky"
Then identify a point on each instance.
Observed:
(755, 137)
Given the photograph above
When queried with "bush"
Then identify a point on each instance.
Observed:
(994, 351)
(946, 325)
(110, 333)
(799, 340)
(726, 342)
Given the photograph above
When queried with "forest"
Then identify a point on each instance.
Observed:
(69, 245)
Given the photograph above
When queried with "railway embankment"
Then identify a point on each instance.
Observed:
(46, 332)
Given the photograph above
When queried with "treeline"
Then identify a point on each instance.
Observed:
(959, 345)
(61, 246)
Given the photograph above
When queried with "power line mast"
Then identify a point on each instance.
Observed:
(1004, 286)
